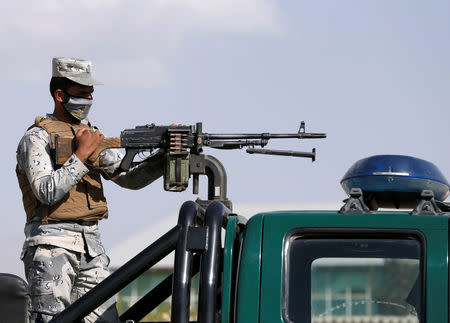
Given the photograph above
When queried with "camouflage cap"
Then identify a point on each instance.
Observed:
(77, 70)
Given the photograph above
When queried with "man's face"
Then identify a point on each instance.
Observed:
(73, 101)
(80, 91)
(75, 90)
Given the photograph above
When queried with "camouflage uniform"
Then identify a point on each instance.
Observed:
(65, 259)
(59, 276)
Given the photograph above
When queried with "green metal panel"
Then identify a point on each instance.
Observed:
(278, 224)
(227, 278)
(249, 272)
(448, 282)
(437, 272)
(233, 239)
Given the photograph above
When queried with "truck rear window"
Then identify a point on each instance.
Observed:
(334, 277)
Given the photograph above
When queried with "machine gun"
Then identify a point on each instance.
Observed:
(183, 146)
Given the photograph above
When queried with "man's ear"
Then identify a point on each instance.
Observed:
(60, 96)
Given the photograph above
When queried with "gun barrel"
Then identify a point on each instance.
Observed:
(312, 135)
(231, 136)
(234, 144)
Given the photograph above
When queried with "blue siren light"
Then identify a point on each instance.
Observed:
(395, 181)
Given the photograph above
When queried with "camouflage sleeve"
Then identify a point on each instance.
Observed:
(33, 157)
(109, 161)
(142, 174)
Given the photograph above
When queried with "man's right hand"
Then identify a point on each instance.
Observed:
(87, 142)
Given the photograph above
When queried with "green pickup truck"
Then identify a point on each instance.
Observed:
(356, 264)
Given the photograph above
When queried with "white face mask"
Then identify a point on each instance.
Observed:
(78, 107)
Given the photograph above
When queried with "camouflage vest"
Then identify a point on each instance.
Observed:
(85, 201)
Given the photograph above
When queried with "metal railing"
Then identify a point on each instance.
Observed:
(197, 248)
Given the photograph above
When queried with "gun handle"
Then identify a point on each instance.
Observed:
(107, 143)
(128, 158)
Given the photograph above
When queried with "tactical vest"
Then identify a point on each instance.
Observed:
(85, 201)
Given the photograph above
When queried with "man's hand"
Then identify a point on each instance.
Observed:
(87, 142)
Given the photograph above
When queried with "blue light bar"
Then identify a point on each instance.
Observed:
(396, 174)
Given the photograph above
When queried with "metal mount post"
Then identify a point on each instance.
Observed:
(183, 264)
(210, 268)
(217, 179)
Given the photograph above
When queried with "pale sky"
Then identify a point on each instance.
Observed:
(374, 75)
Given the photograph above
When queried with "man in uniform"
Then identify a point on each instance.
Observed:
(62, 253)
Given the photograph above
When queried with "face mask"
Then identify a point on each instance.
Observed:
(78, 107)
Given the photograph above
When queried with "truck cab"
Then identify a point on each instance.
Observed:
(324, 266)
(357, 264)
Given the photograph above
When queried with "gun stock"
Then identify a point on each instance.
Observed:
(65, 147)
(107, 143)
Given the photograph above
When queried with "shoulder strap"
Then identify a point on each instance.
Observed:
(38, 120)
